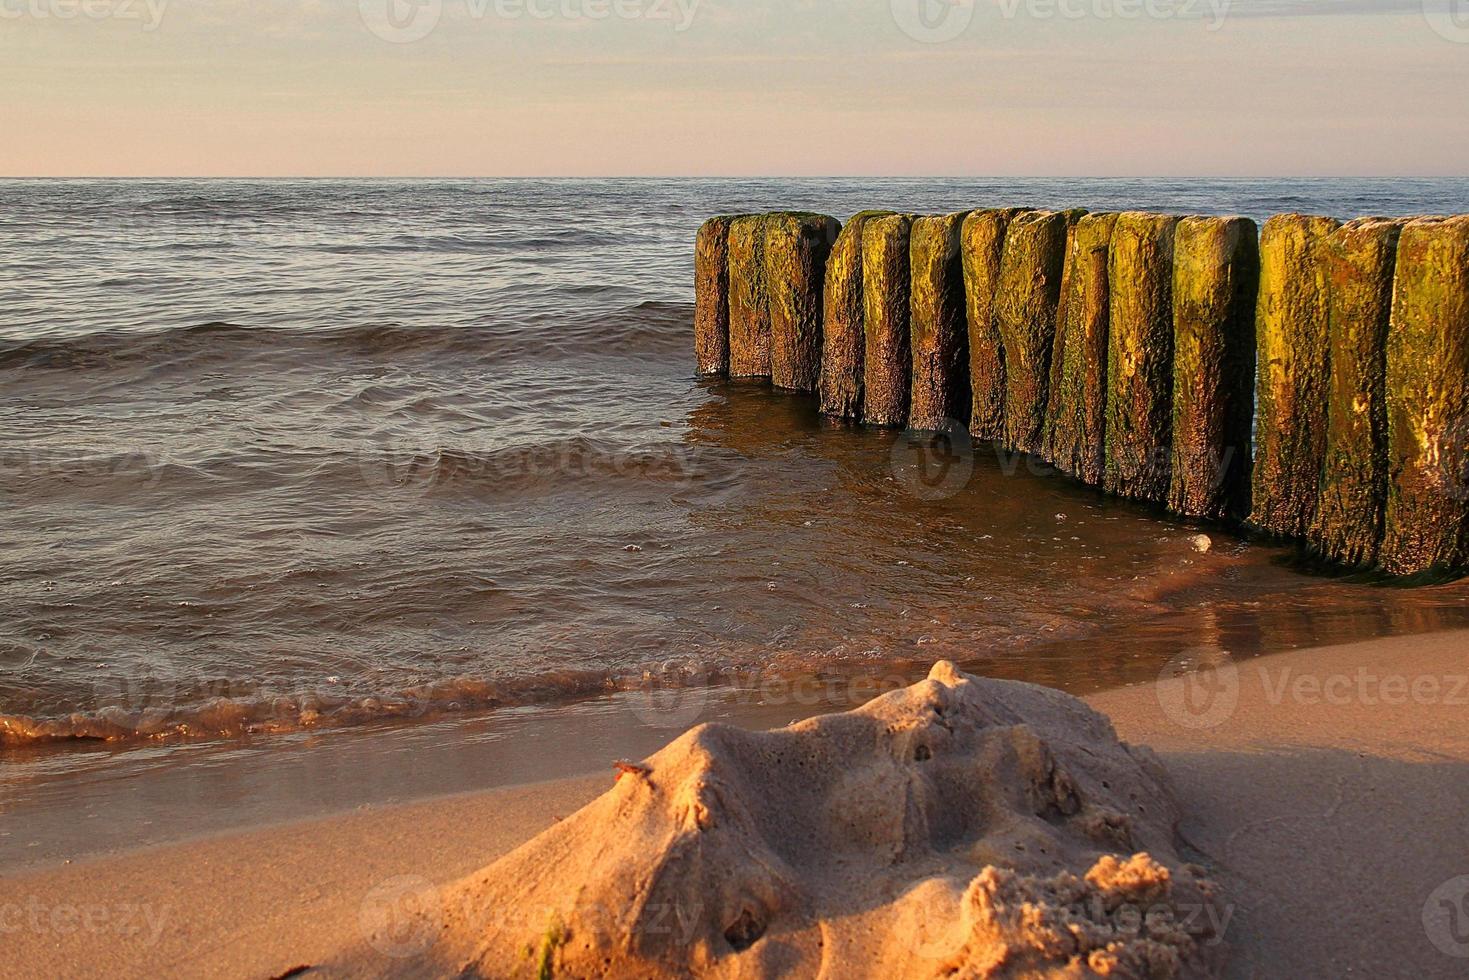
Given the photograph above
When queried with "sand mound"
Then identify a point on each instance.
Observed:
(962, 828)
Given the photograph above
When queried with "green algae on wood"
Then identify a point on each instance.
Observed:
(1360, 258)
(982, 242)
(939, 397)
(1024, 312)
(842, 333)
(1140, 356)
(1076, 414)
(749, 305)
(1426, 526)
(1292, 351)
(711, 296)
(887, 361)
(1216, 278)
(796, 248)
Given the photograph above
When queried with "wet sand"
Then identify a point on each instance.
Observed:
(1325, 789)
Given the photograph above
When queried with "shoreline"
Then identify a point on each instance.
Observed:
(1325, 787)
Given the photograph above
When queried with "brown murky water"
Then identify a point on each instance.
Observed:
(284, 456)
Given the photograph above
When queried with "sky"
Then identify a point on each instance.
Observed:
(734, 87)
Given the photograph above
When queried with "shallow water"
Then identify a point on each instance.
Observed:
(300, 453)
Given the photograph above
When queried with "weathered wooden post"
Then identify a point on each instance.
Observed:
(711, 297)
(1360, 258)
(749, 304)
(1025, 318)
(982, 241)
(1427, 518)
(1076, 414)
(887, 362)
(1290, 334)
(843, 341)
(796, 248)
(1140, 356)
(1216, 278)
(940, 341)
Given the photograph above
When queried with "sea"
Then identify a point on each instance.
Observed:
(284, 456)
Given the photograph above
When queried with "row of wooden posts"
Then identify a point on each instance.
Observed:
(1309, 379)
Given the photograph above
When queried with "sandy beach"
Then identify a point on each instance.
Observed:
(1323, 789)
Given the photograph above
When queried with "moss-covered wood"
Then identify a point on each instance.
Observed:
(749, 304)
(1216, 278)
(1140, 356)
(1076, 413)
(1291, 344)
(711, 297)
(1359, 258)
(982, 242)
(939, 338)
(1427, 517)
(842, 333)
(1025, 319)
(796, 248)
(887, 361)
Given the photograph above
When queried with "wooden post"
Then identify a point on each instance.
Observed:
(982, 241)
(749, 304)
(842, 333)
(1025, 318)
(1076, 415)
(1140, 356)
(796, 247)
(1290, 334)
(1427, 518)
(1360, 258)
(940, 342)
(1216, 278)
(711, 297)
(887, 363)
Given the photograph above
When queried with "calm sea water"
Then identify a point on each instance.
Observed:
(278, 454)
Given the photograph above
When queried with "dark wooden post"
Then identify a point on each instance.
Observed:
(749, 304)
(1076, 424)
(711, 297)
(1216, 278)
(982, 241)
(1025, 318)
(842, 334)
(1290, 334)
(1427, 519)
(1140, 356)
(1360, 258)
(796, 248)
(887, 363)
(940, 342)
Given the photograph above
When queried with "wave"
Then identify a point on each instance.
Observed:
(165, 711)
(628, 330)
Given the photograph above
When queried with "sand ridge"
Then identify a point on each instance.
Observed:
(962, 827)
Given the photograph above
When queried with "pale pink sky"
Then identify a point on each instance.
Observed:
(718, 87)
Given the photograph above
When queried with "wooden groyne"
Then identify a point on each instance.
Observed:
(1308, 380)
